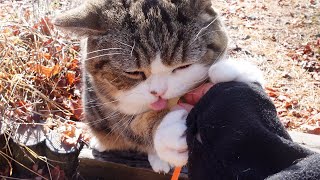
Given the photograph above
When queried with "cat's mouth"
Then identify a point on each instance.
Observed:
(159, 105)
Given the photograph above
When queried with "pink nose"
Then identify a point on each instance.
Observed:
(156, 93)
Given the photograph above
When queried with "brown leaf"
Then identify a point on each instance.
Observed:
(47, 71)
(71, 77)
(70, 134)
(273, 94)
(311, 129)
(288, 105)
(77, 109)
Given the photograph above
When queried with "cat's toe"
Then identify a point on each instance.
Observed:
(157, 164)
(170, 139)
(97, 145)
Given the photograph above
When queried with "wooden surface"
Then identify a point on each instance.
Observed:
(87, 163)
(112, 165)
(309, 141)
(118, 165)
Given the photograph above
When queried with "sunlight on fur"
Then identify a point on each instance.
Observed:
(137, 55)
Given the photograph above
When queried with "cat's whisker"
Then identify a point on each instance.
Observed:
(107, 49)
(128, 123)
(89, 89)
(210, 32)
(110, 102)
(202, 29)
(221, 53)
(126, 44)
(117, 125)
(134, 44)
(114, 79)
(102, 55)
(100, 104)
(113, 114)
(124, 126)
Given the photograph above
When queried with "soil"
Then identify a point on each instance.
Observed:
(269, 33)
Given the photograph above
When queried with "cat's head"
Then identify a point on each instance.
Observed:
(139, 52)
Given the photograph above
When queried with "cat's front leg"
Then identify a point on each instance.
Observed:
(157, 164)
(235, 70)
(170, 138)
(103, 141)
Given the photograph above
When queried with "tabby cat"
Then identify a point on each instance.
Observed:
(138, 54)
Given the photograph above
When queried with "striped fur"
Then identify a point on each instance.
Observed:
(122, 38)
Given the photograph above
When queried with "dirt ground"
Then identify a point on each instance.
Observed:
(40, 78)
(271, 33)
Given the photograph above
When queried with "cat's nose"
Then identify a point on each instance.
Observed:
(157, 93)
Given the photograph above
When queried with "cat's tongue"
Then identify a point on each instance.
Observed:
(159, 105)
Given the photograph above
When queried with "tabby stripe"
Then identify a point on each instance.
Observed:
(126, 4)
(182, 18)
(103, 126)
(96, 113)
(147, 5)
(129, 23)
(176, 46)
(145, 53)
(166, 19)
(184, 53)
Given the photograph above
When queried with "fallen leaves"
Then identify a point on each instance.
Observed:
(292, 115)
(71, 77)
(272, 33)
(308, 56)
(70, 134)
(47, 71)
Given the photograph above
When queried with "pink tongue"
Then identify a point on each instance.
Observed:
(159, 105)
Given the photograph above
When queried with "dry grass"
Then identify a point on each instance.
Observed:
(38, 67)
(39, 73)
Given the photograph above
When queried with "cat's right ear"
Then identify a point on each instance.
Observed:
(81, 21)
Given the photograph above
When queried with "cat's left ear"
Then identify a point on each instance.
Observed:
(81, 21)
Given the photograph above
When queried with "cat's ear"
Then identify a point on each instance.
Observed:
(81, 21)
(204, 7)
(202, 3)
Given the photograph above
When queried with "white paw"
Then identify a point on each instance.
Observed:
(157, 164)
(235, 70)
(96, 144)
(170, 140)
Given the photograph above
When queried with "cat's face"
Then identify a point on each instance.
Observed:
(141, 53)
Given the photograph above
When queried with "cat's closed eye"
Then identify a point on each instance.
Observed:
(181, 68)
(136, 75)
